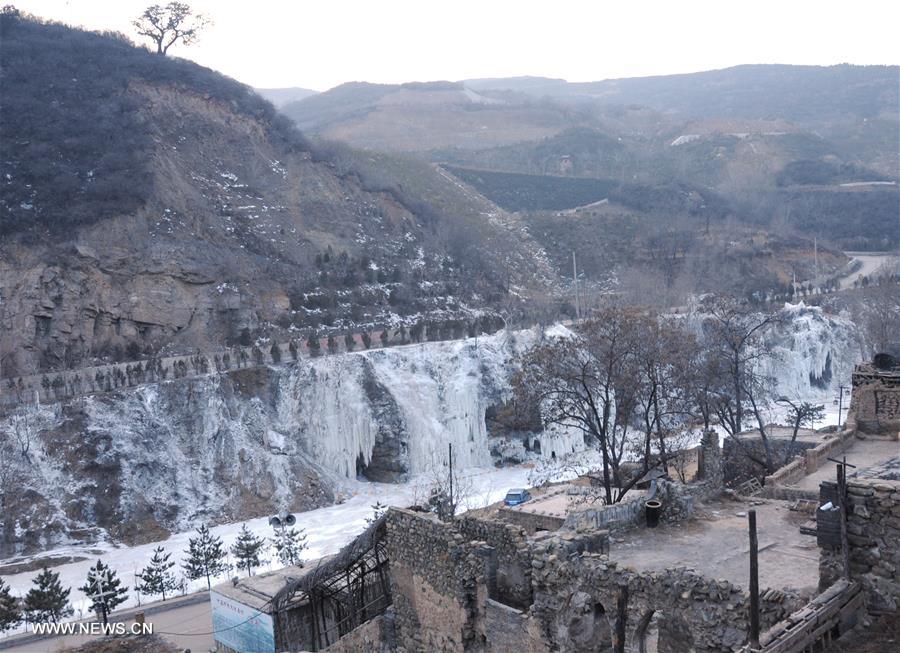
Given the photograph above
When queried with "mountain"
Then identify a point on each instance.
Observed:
(804, 151)
(150, 205)
(281, 96)
(802, 94)
(417, 117)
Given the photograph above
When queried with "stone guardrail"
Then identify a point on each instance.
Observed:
(810, 461)
(52, 387)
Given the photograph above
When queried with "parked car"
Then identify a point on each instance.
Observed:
(515, 497)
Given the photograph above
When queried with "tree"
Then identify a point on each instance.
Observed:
(734, 332)
(10, 615)
(349, 342)
(332, 344)
(384, 337)
(157, 577)
(47, 600)
(313, 344)
(590, 382)
(104, 589)
(205, 557)
(367, 340)
(289, 543)
(378, 509)
(167, 25)
(800, 414)
(246, 550)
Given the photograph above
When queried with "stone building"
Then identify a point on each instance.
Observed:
(875, 403)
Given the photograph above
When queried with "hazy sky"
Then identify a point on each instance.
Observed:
(321, 43)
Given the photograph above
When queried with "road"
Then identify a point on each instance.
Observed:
(871, 261)
(188, 617)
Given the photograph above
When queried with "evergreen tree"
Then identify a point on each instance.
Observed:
(104, 589)
(246, 550)
(290, 543)
(312, 343)
(349, 342)
(378, 509)
(157, 577)
(10, 616)
(47, 600)
(205, 557)
(384, 338)
(367, 340)
(332, 344)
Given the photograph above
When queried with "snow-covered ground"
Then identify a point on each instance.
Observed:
(327, 530)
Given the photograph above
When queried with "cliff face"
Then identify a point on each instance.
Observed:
(157, 458)
(140, 462)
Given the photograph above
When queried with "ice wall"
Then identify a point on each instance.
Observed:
(811, 352)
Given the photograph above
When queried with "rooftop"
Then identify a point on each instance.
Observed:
(257, 591)
(716, 544)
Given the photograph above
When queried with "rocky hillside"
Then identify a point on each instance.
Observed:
(149, 205)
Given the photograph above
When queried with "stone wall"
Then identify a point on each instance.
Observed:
(512, 570)
(811, 460)
(873, 535)
(576, 599)
(442, 600)
(374, 636)
(738, 467)
(875, 402)
(532, 522)
(677, 504)
(434, 583)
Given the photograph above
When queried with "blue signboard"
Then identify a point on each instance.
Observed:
(240, 627)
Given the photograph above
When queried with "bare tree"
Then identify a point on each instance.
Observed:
(590, 382)
(733, 332)
(166, 25)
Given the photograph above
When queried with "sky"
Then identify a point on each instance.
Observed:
(319, 44)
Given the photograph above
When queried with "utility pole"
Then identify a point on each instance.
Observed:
(575, 281)
(840, 404)
(450, 458)
(754, 581)
(842, 466)
(816, 254)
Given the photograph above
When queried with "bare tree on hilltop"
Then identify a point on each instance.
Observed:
(166, 25)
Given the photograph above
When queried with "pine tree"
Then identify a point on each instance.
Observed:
(157, 577)
(10, 616)
(205, 557)
(378, 509)
(290, 543)
(47, 600)
(246, 550)
(104, 589)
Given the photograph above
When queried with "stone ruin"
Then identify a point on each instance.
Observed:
(875, 403)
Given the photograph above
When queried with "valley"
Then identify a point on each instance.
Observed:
(417, 364)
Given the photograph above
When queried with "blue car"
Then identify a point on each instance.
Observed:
(516, 497)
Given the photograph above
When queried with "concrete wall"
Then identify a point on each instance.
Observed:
(873, 534)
